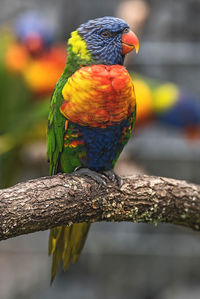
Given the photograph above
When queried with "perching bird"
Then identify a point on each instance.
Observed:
(92, 114)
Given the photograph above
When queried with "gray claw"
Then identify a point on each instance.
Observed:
(110, 174)
(98, 177)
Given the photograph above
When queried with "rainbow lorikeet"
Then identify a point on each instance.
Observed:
(92, 114)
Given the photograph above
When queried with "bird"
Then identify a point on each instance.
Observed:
(168, 104)
(35, 31)
(91, 118)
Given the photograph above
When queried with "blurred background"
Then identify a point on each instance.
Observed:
(120, 260)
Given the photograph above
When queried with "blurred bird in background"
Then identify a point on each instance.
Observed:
(167, 104)
(35, 54)
(30, 64)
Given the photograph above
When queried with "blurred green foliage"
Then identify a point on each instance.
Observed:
(22, 120)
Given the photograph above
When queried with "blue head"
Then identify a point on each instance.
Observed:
(103, 37)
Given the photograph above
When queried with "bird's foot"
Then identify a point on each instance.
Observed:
(111, 175)
(99, 178)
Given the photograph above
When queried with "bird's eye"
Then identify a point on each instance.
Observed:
(126, 30)
(106, 33)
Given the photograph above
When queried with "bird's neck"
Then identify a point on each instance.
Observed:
(77, 54)
(75, 62)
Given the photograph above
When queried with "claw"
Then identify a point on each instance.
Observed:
(111, 175)
(98, 177)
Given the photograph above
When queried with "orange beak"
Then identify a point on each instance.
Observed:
(129, 42)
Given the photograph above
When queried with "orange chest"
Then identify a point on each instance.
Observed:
(98, 96)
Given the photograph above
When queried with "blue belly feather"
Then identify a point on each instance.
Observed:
(101, 145)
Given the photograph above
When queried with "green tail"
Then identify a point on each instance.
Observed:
(66, 244)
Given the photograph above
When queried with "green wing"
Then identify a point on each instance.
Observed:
(55, 129)
(63, 157)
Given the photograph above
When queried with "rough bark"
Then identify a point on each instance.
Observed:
(47, 202)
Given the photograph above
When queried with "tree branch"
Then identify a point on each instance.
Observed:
(65, 199)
